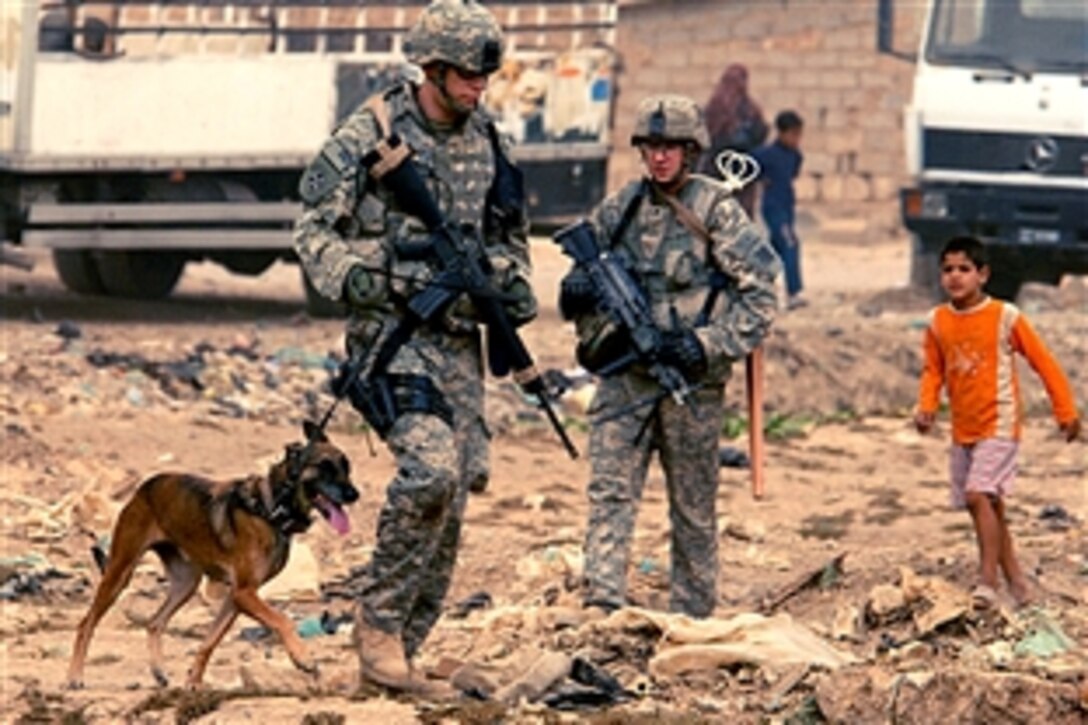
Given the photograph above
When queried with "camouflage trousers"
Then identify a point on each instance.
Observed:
(686, 441)
(419, 526)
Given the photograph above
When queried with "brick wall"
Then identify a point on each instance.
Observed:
(817, 57)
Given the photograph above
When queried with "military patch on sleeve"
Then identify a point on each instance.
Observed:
(332, 165)
(764, 257)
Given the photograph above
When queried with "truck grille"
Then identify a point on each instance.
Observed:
(974, 151)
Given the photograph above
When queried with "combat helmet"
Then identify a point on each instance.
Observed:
(668, 117)
(461, 33)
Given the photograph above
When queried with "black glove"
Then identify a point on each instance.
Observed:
(359, 288)
(577, 295)
(682, 350)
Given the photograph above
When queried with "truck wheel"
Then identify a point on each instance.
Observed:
(318, 305)
(77, 271)
(140, 275)
(925, 266)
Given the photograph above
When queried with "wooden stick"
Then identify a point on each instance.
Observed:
(805, 581)
(754, 375)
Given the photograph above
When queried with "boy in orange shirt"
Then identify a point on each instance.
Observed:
(969, 348)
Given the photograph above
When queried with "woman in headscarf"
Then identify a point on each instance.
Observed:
(735, 122)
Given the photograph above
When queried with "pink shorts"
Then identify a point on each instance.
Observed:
(988, 466)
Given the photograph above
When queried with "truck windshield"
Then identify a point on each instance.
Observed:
(1023, 36)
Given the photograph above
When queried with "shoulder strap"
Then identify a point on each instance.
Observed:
(687, 217)
(628, 215)
(390, 151)
(379, 107)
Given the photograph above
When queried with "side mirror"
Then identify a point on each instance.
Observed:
(885, 31)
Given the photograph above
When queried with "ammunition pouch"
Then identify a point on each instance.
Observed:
(382, 399)
(604, 345)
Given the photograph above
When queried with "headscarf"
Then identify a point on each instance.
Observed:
(730, 104)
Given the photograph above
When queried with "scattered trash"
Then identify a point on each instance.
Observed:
(791, 681)
(823, 578)
(886, 603)
(331, 623)
(255, 634)
(887, 643)
(1044, 639)
(310, 627)
(548, 669)
(688, 645)
(1057, 518)
(1000, 653)
(17, 585)
(729, 457)
(845, 624)
(471, 603)
(943, 601)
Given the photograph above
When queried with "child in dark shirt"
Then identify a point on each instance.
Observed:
(780, 163)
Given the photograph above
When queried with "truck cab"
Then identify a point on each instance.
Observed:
(997, 139)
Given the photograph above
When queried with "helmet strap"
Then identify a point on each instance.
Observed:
(441, 72)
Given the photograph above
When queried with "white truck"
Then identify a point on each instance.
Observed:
(997, 138)
(144, 135)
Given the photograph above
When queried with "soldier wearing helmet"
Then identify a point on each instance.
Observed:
(670, 121)
(459, 37)
(358, 248)
(708, 277)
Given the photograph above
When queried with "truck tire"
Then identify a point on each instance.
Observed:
(138, 274)
(318, 305)
(925, 266)
(78, 271)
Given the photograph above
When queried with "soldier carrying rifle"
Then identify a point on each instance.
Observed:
(706, 278)
(415, 219)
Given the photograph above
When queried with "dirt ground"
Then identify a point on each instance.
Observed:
(86, 417)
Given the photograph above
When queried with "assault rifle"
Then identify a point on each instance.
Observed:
(622, 298)
(464, 269)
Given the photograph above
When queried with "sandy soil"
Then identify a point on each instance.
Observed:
(845, 474)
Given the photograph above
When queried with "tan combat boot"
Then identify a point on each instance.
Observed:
(381, 656)
(382, 662)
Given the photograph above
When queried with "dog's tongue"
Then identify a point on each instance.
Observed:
(338, 520)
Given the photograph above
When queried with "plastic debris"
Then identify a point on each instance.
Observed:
(1044, 639)
(730, 457)
(471, 603)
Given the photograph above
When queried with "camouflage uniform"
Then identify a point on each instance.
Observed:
(673, 266)
(355, 222)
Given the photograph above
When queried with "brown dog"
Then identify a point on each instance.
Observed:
(238, 532)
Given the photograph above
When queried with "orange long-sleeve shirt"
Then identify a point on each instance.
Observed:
(970, 352)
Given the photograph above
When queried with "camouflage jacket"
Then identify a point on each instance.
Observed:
(350, 219)
(673, 266)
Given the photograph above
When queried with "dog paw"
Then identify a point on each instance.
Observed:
(308, 666)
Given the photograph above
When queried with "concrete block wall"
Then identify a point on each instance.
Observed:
(817, 57)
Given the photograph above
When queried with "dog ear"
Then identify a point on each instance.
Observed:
(314, 433)
(293, 459)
